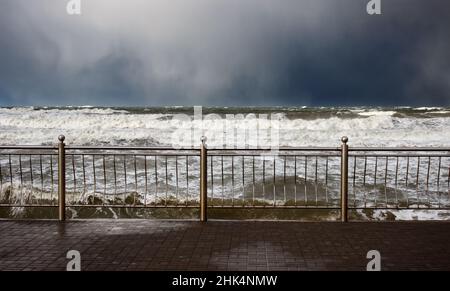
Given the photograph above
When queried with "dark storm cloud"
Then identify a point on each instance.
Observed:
(225, 52)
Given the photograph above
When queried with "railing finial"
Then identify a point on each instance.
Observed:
(61, 138)
(203, 139)
(344, 139)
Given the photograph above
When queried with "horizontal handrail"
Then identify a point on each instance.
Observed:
(26, 147)
(152, 148)
(129, 148)
(399, 149)
(426, 155)
(331, 149)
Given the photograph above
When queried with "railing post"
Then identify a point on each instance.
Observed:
(203, 180)
(344, 179)
(61, 178)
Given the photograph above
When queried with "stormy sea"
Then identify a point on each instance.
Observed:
(295, 127)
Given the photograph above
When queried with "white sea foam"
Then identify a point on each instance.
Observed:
(428, 108)
(441, 112)
(111, 126)
(376, 113)
(410, 214)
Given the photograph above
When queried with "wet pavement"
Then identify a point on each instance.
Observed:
(223, 245)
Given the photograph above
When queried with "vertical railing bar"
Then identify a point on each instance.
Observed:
(396, 182)
(417, 182)
(187, 181)
(253, 180)
(428, 179)
(223, 183)
(448, 182)
(51, 178)
(203, 180)
(115, 177)
(385, 181)
(21, 178)
(176, 180)
(284, 179)
(125, 179)
(84, 175)
(61, 179)
(42, 176)
(243, 180)
(232, 181)
(364, 181)
(438, 182)
(30, 198)
(95, 176)
(10, 173)
(156, 178)
(295, 180)
(135, 181)
(146, 181)
(315, 184)
(306, 181)
(326, 180)
(354, 181)
(31, 178)
(274, 189)
(74, 178)
(167, 182)
(406, 181)
(1, 179)
(264, 180)
(344, 179)
(375, 182)
(212, 180)
(104, 178)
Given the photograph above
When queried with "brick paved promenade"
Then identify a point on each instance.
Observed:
(223, 245)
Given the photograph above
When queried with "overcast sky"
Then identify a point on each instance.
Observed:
(225, 52)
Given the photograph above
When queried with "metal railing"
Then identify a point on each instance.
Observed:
(337, 178)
